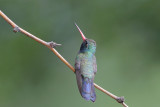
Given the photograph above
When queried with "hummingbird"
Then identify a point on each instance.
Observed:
(86, 68)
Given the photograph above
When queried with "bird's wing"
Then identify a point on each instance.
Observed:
(78, 72)
(94, 64)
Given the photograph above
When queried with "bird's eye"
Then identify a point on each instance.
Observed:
(86, 44)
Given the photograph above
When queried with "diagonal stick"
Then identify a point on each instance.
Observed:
(51, 46)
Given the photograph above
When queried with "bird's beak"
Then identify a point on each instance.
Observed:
(83, 37)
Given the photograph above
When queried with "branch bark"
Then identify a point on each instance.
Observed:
(51, 46)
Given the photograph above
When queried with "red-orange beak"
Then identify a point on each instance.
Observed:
(83, 37)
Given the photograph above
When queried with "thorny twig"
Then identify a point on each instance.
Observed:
(51, 46)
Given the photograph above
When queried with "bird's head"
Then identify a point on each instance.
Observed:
(88, 45)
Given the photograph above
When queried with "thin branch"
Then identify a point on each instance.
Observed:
(51, 46)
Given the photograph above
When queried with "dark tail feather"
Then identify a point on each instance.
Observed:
(93, 94)
(87, 90)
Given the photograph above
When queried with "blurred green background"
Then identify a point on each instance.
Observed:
(127, 33)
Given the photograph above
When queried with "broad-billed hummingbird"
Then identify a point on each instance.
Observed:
(86, 68)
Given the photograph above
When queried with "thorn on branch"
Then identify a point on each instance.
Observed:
(16, 29)
(120, 99)
(53, 44)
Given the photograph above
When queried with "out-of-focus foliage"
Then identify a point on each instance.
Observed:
(127, 33)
